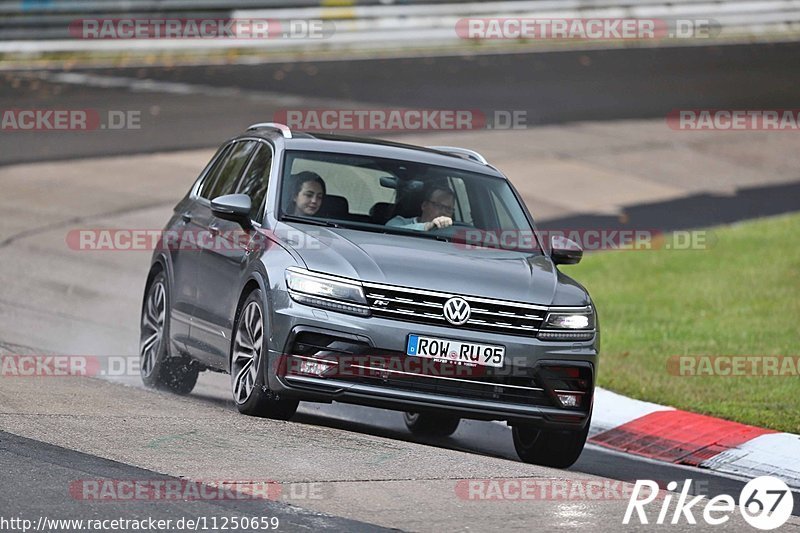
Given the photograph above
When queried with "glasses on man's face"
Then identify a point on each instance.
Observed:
(442, 207)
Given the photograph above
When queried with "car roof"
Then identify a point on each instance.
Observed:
(326, 142)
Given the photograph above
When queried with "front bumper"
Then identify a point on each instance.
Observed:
(522, 392)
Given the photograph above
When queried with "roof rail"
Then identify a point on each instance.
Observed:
(283, 128)
(462, 152)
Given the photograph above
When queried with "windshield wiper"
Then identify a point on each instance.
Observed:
(414, 233)
(390, 230)
(393, 230)
(314, 221)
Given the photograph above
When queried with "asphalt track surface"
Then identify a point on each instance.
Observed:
(48, 468)
(557, 87)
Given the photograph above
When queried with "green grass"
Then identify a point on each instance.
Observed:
(739, 297)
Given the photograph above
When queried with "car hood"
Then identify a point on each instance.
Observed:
(424, 263)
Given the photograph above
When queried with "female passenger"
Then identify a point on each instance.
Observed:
(308, 192)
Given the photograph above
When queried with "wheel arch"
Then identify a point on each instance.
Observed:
(158, 265)
(255, 280)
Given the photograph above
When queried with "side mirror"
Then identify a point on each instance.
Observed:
(565, 251)
(233, 207)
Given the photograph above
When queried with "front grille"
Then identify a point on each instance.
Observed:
(426, 307)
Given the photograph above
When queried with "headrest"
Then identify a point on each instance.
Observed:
(334, 206)
(381, 212)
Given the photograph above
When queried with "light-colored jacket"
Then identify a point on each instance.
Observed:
(407, 223)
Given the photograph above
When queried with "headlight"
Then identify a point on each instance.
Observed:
(327, 292)
(568, 324)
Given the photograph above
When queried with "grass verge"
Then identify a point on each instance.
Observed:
(741, 296)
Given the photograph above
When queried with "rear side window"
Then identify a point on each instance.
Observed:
(256, 179)
(230, 170)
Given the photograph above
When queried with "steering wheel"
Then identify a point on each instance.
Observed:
(451, 230)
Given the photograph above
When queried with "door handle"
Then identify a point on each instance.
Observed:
(186, 217)
(213, 230)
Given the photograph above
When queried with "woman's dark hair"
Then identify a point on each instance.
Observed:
(303, 177)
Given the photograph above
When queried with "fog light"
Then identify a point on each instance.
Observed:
(316, 368)
(569, 400)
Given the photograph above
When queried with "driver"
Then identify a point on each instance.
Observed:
(437, 211)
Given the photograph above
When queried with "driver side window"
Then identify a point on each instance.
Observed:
(213, 172)
(231, 169)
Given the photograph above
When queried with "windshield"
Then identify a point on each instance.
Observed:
(403, 197)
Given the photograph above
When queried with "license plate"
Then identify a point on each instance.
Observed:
(454, 351)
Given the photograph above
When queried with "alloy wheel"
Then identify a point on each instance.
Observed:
(152, 331)
(247, 350)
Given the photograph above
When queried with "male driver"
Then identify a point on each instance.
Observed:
(437, 211)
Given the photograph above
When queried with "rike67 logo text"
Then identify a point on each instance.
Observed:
(765, 503)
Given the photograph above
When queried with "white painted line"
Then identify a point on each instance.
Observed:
(166, 87)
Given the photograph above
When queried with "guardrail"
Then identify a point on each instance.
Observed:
(366, 23)
(401, 23)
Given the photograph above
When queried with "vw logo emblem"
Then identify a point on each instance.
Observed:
(457, 311)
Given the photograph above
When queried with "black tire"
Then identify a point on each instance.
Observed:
(248, 359)
(158, 368)
(557, 449)
(431, 425)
